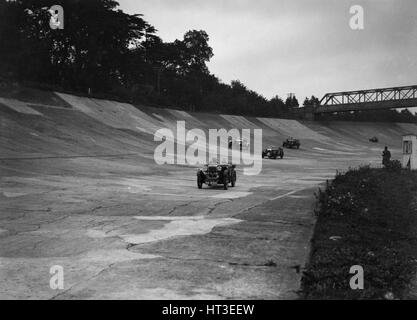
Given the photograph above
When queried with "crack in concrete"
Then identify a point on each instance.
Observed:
(116, 228)
(214, 207)
(39, 225)
(267, 264)
(242, 238)
(83, 281)
(286, 222)
(179, 206)
(210, 208)
(269, 200)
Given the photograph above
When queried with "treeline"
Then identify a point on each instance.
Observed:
(103, 51)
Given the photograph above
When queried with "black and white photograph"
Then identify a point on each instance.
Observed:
(222, 152)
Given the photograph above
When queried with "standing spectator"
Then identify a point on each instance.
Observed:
(386, 157)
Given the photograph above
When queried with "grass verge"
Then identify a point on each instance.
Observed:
(366, 217)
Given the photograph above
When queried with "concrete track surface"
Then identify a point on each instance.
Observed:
(79, 188)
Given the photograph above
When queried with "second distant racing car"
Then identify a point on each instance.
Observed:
(273, 153)
(291, 143)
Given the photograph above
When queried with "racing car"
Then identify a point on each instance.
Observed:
(291, 143)
(273, 152)
(217, 174)
(241, 144)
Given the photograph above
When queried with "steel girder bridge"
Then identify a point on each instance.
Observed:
(385, 98)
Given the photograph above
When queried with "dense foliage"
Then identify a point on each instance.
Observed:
(366, 217)
(104, 50)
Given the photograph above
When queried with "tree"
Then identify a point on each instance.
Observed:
(291, 102)
(197, 51)
(277, 106)
(88, 53)
(106, 50)
(313, 101)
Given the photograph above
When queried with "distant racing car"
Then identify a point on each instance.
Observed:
(273, 152)
(242, 144)
(217, 174)
(373, 139)
(291, 143)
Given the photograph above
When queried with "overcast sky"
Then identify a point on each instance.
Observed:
(304, 47)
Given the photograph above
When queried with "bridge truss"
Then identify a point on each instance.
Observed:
(385, 98)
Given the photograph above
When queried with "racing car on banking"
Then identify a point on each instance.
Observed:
(291, 143)
(217, 174)
(238, 143)
(273, 152)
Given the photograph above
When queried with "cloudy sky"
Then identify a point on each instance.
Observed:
(296, 46)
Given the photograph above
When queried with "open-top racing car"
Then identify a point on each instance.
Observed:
(273, 152)
(217, 174)
(239, 143)
(291, 143)
(373, 139)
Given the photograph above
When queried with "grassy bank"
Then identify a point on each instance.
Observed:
(366, 217)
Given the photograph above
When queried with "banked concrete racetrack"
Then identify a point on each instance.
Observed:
(79, 188)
